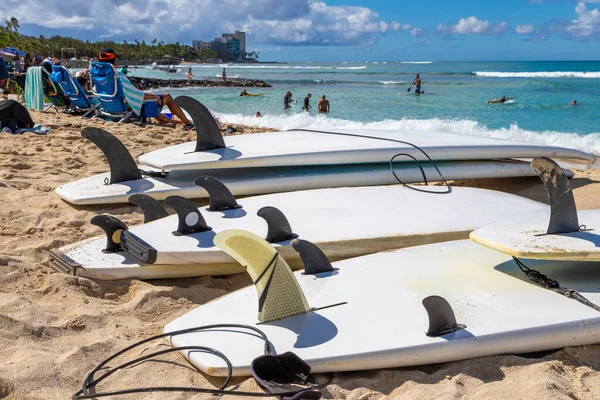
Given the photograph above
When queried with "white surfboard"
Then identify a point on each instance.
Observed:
(290, 148)
(528, 238)
(563, 233)
(377, 317)
(94, 190)
(346, 222)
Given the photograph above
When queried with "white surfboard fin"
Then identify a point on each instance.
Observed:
(279, 294)
(563, 212)
(441, 316)
(220, 196)
(279, 226)
(190, 218)
(208, 134)
(314, 260)
(113, 227)
(122, 165)
(151, 207)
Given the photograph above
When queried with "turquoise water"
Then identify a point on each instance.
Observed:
(374, 95)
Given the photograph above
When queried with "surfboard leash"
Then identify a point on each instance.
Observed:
(442, 178)
(270, 370)
(553, 285)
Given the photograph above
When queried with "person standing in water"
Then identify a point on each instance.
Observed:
(417, 83)
(224, 75)
(306, 105)
(287, 100)
(189, 74)
(324, 105)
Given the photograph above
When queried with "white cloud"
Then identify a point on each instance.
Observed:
(587, 23)
(524, 29)
(473, 26)
(308, 22)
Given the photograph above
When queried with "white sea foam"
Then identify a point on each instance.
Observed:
(589, 143)
(541, 74)
(391, 82)
(416, 62)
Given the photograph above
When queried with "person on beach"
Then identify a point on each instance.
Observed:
(574, 103)
(109, 56)
(17, 64)
(4, 75)
(306, 105)
(124, 70)
(224, 75)
(498, 100)
(244, 93)
(287, 100)
(83, 78)
(189, 74)
(258, 114)
(324, 106)
(417, 83)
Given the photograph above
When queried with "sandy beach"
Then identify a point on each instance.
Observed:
(55, 328)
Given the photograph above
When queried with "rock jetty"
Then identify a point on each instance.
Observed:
(153, 83)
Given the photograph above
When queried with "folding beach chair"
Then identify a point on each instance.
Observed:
(114, 104)
(80, 102)
(41, 93)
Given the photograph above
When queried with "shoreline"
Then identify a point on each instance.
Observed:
(56, 327)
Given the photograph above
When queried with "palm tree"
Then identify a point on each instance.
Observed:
(12, 25)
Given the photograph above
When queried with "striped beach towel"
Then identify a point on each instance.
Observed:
(34, 89)
(133, 95)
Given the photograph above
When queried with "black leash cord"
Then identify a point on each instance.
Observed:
(90, 383)
(443, 179)
(553, 285)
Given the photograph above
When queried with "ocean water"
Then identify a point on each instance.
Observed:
(374, 95)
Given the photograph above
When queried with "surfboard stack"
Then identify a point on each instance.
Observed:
(298, 160)
(419, 305)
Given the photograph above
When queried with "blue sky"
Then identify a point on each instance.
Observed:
(337, 30)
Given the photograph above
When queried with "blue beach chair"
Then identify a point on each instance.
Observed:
(80, 102)
(117, 102)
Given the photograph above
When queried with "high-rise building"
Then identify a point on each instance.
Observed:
(229, 45)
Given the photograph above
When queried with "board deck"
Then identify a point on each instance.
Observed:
(527, 239)
(87, 260)
(291, 148)
(343, 222)
(93, 190)
(383, 324)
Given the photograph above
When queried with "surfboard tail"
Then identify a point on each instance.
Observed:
(279, 294)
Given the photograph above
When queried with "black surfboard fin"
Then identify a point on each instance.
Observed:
(122, 165)
(220, 196)
(113, 227)
(151, 208)
(563, 212)
(279, 226)
(313, 258)
(441, 316)
(208, 134)
(190, 218)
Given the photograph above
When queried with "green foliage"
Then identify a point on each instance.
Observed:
(137, 51)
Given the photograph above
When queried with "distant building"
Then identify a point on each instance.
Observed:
(229, 45)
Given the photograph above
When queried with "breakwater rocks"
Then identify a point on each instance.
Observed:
(152, 83)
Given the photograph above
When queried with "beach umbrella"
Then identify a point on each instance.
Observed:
(12, 51)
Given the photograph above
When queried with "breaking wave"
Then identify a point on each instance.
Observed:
(589, 143)
(541, 74)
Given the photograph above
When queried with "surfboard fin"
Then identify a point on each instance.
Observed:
(151, 208)
(113, 227)
(563, 212)
(279, 294)
(190, 218)
(219, 195)
(314, 260)
(441, 316)
(122, 165)
(208, 134)
(279, 226)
